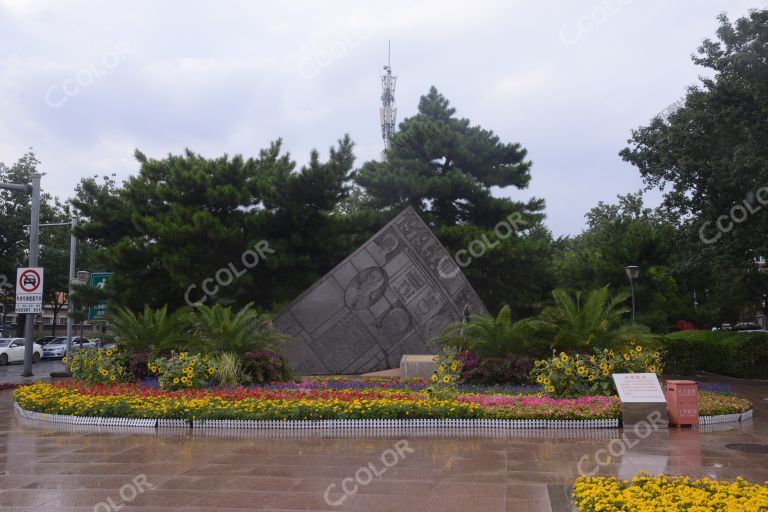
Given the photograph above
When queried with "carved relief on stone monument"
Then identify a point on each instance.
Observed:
(388, 298)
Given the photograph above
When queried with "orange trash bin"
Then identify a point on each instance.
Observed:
(683, 402)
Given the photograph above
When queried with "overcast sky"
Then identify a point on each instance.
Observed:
(86, 83)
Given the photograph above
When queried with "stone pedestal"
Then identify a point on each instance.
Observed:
(415, 366)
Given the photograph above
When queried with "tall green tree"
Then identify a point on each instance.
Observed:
(446, 168)
(628, 233)
(711, 159)
(15, 214)
(186, 219)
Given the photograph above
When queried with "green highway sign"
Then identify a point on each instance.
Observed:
(98, 280)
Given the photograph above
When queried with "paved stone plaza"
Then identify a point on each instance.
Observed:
(50, 467)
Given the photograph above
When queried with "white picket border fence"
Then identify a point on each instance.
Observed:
(725, 418)
(351, 424)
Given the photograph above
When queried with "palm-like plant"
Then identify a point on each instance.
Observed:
(490, 336)
(580, 322)
(218, 329)
(152, 331)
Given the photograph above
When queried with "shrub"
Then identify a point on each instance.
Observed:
(140, 365)
(266, 366)
(736, 354)
(582, 321)
(153, 330)
(229, 369)
(578, 374)
(181, 371)
(219, 329)
(494, 370)
(490, 336)
(100, 366)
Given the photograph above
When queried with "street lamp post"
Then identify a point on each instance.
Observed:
(632, 272)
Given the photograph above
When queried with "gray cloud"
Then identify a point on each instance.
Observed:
(231, 77)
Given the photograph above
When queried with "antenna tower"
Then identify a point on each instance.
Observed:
(387, 112)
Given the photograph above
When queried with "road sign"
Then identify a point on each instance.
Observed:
(98, 280)
(29, 290)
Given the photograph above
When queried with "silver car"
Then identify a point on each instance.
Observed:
(58, 347)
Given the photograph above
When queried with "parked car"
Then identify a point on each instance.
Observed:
(58, 348)
(45, 340)
(12, 350)
(748, 327)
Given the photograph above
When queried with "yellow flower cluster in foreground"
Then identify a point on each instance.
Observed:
(646, 493)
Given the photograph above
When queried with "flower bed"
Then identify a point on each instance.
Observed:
(131, 401)
(672, 494)
(716, 404)
(326, 399)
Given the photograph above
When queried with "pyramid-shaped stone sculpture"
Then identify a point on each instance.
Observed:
(389, 298)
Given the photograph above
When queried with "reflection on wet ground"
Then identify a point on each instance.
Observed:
(52, 467)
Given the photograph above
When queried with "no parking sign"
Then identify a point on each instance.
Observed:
(29, 290)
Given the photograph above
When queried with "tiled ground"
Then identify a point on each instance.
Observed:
(49, 467)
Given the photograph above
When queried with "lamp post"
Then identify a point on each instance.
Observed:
(632, 272)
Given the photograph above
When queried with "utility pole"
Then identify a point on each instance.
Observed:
(34, 247)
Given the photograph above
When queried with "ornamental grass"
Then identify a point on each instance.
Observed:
(668, 494)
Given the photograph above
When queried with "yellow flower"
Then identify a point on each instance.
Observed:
(639, 348)
(454, 366)
(591, 378)
(112, 377)
(551, 389)
(436, 359)
(656, 355)
(592, 359)
(162, 383)
(175, 380)
(109, 353)
(64, 359)
(211, 370)
(446, 379)
(564, 357)
(605, 373)
(626, 357)
(652, 369)
(434, 378)
(539, 379)
(581, 370)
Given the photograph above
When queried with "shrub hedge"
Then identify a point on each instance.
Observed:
(736, 354)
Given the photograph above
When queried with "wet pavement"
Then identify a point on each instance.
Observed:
(11, 373)
(52, 467)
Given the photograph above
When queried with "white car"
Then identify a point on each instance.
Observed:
(12, 350)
